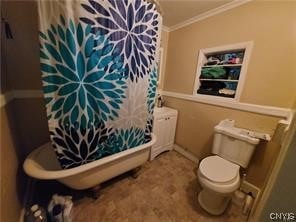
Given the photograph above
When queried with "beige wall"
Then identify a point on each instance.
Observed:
(195, 133)
(294, 106)
(270, 79)
(22, 52)
(10, 163)
(23, 121)
(10, 203)
(271, 73)
(23, 73)
(30, 115)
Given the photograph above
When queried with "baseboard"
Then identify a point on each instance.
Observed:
(185, 153)
(250, 188)
(247, 187)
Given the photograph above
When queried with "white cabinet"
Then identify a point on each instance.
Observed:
(165, 120)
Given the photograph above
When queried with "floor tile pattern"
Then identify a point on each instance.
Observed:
(165, 190)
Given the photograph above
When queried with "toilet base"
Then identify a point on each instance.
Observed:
(213, 203)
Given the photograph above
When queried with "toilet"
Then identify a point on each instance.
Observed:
(219, 174)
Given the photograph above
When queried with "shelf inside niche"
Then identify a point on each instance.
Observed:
(214, 93)
(220, 80)
(225, 65)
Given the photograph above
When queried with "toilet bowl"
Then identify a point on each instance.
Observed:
(219, 178)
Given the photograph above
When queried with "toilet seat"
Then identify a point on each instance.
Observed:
(218, 175)
(219, 170)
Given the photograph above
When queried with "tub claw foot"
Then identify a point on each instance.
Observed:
(94, 192)
(136, 172)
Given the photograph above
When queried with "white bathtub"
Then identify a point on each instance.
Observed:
(43, 164)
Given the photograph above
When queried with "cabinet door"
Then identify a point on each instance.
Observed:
(159, 130)
(170, 126)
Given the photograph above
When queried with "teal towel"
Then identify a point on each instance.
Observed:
(213, 73)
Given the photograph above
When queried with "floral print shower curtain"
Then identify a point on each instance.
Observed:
(99, 72)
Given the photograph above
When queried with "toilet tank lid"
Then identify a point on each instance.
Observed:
(238, 133)
(218, 169)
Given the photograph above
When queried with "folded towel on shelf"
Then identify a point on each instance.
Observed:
(227, 91)
(213, 73)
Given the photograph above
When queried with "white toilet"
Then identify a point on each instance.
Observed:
(219, 174)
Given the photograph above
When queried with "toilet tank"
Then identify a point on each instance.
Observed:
(234, 144)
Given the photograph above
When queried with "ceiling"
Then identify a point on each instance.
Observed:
(177, 11)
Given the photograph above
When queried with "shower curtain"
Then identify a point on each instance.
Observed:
(99, 72)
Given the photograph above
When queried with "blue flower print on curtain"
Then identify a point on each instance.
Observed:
(123, 139)
(132, 25)
(77, 146)
(152, 90)
(99, 71)
(83, 71)
(150, 103)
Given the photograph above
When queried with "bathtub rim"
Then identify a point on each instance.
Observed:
(36, 172)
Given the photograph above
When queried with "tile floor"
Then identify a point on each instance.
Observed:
(166, 190)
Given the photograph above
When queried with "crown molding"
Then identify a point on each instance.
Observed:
(165, 28)
(208, 14)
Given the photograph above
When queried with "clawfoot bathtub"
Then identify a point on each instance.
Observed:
(43, 164)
